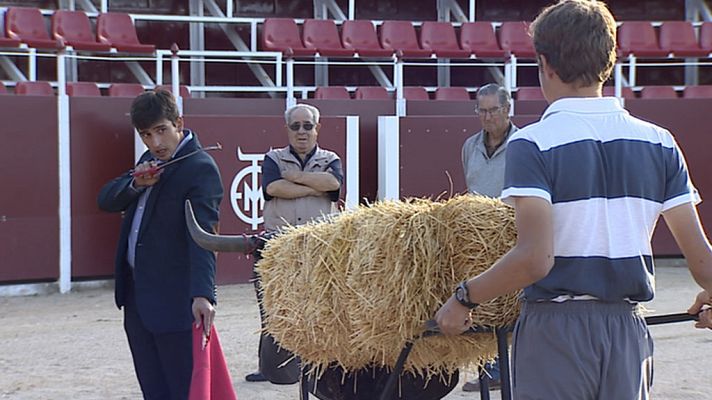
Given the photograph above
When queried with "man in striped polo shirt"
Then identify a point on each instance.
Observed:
(588, 183)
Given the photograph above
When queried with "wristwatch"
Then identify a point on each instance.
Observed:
(462, 295)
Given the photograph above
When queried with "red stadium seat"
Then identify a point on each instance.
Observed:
(451, 93)
(84, 89)
(400, 36)
(479, 39)
(415, 93)
(321, 35)
(332, 93)
(282, 34)
(698, 92)
(27, 25)
(6, 42)
(361, 36)
(372, 93)
(638, 38)
(182, 89)
(514, 39)
(440, 38)
(706, 36)
(658, 92)
(530, 93)
(34, 88)
(3, 89)
(75, 29)
(678, 38)
(125, 89)
(626, 92)
(118, 31)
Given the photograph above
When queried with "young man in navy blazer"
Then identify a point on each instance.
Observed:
(164, 281)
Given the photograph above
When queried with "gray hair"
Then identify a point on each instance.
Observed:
(311, 109)
(494, 89)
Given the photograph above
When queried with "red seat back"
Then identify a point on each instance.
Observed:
(117, 30)
(3, 89)
(440, 38)
(400, 36)
(678, 37)
(282, 34)
(451, 93)
(27, 25)
(415, 93)
(479, 39)
(332, 92)
(658, 92)
(372, 93)
(34, 88)
(530, 93)
(361, 36)
(86, 89)
(698, 92)
(75, 29)
(322, 36)
(125, 89)
(639, 38)
(706, 36)
(514, 38)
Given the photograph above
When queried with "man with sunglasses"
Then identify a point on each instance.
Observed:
(300, 182)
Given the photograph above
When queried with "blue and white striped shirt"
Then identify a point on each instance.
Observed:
(608, 176)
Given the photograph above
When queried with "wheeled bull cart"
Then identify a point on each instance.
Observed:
(381, 384)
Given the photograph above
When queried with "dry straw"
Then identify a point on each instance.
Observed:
(352, 290)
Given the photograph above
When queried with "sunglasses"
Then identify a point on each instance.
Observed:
(295, 127)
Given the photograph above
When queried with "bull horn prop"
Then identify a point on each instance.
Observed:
(241, 244)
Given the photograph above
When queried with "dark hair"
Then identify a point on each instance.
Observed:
(152, 106)
(578, 39)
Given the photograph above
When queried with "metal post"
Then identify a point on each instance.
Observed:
(104, 6)
(290, 83)
(352, 9)
(352, 161)
(65, 198)
(159, 68)
(175, 76)
(472, 13)
(32, 64)
(631, 70)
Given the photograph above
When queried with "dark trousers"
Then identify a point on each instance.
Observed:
(163, 362)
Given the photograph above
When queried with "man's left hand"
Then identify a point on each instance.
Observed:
(203, 313)
(453, 318)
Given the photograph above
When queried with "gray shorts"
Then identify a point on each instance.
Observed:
(583, 350)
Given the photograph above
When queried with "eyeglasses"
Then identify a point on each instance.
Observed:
(491, 111)
(295, 127)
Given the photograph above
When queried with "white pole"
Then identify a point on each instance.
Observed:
(65, 198)
(290, 83)
(352, 165)
(175, 77)
(352, 9)
(388, 158)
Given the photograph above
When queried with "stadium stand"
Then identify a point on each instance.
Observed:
(282, 34)
(6, 42)
(658, 92)
(440, 38)
(372, 93)
(400, 36)
(361, 36)
(322, 36)
(83, 89)
(530, 93)
(27, 25)
(479, 38)
(706, 37)
(678, 38)
(3, 89)
(638, 38)
(332, 93)
(626, 92)
(451, 93)
(74, 28)
(118, 31)
(34, 88)
(697, 92)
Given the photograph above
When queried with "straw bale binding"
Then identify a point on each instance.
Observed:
(353, 289)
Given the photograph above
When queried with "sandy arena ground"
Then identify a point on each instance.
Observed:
(73, 346)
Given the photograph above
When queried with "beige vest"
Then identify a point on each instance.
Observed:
(280, 212)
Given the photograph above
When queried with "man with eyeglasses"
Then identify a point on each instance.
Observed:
(300, 182)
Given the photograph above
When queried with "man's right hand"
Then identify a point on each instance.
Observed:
(143, 176)
(705, 317)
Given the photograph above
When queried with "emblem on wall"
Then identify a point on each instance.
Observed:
(246, 195)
